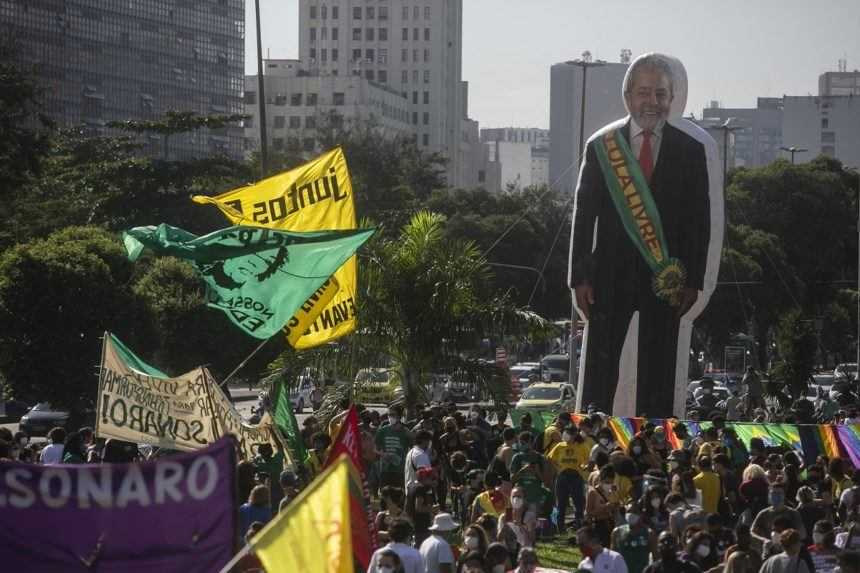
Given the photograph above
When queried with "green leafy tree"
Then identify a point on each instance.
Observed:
(796, 344)
(57, 297)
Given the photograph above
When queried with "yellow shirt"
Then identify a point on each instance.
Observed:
(623, 486)
(571, 456)
(709, 484)
(551, 436)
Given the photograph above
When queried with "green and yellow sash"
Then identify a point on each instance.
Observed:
(639, 214)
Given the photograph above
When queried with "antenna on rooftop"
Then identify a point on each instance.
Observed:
(586, 56)
(626, 54)
(843, 64)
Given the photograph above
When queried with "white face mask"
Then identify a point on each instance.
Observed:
(471, 542)
(655, 503)
(517, 502)
(499, 568)
(817, 538)
(703, 550)
(567, 437)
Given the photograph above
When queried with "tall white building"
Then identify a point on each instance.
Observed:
(415, 48)
(603, 104)
(297, 102)
(759, 137)
(523, 154)
(824, 126)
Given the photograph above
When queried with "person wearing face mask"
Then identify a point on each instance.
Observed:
(474, 539)
(408, 558)
(569, 459)
(552, 433)
(654, 511)
(491, 501)
(763, 524)
(634, 540)
(667, 557)
(823, 549)
(393, 441)
(519, 521)
(481, 429)
(701, 551)
(605, 444)
(643, 460)
(709, 484)
(789, 560)
(529, 469)
(596, 557)
(603, 506)
(416, 458)
(388, 562)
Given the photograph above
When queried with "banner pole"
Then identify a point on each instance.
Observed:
(236, 558)
(245, 361)
(99, 390)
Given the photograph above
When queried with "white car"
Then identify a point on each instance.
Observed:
(846, 370)
(549, 397)
(307, 392)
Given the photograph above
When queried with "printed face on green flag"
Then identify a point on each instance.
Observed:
(258, 277)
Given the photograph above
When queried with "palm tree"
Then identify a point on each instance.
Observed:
(425, 298)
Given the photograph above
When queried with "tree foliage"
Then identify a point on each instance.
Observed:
(795, 342)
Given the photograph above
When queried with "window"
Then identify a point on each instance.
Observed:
(426, 34)
(335, 12)
(356, 13)
(310, 122)
(251, 97)
(338, 98)
(279, 122)
(415, 76)
(406, 12)
(334, 54)
(249, 122)
(414, 97)
(828, 137)
(324, 55)
(281, 99)
(323, 34)
(425, 139)
(356, 34)
(382, 76)
(828, 150)
(278, 143)
(415, 117)
(356, 55)
(371, 13)
(296, 99)
(426, 12)
(335, 33)
(404, 55)
(369, 74)
(404, 77)
(414, 34)
(313, 34)
(383, 56)
(324, 11)
(415, 56)
(313, 54)
(312, 99)
(368, 55)
(426, 76)
(313, 12)
(415, 13)
(426, 97)
(426, 55)
(482, 176)
(426, 118)
(383, 34)
(825, 123)
(369, 34)
(295, 122)
(308, 143)
(405, 34)
(383, 12)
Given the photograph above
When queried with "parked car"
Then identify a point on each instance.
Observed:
(555, 368)
(846, 370)
(549, 397)
(375, 385)
(41, 419)
(309, 391)
(523, 370)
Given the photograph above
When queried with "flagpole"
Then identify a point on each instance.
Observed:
(236, 558)
(245, 361)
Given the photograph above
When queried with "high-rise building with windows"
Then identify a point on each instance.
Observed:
(414, 48)
(102, 61)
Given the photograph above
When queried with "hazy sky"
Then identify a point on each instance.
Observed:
(734, 50)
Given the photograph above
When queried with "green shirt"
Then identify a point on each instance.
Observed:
(633, 546)
(396, 441)
(520, 460)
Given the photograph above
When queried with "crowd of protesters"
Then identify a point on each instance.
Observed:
(456, 491)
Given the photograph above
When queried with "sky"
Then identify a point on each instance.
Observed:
(734, 50)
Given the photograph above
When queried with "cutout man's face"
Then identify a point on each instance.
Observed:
(649, 98)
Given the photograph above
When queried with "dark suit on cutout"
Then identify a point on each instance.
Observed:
(622, 280)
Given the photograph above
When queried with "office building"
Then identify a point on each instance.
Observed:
(839, 84)
(823, 126)
(298, 104)
(415, 49)
(759, 138)
(604, 103)
(112, 61)
(519, 170)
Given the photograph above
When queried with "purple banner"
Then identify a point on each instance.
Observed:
(176, 514)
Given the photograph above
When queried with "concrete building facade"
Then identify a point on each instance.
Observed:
(824, 126)
(839, 84)
(759, 138)
(414, 48)
(516, 172)
(113, 61)
(298, 103)
(604, 103)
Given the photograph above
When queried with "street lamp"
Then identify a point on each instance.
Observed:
(261, 97)
(541, 279)
(794, 150)
(727, 128)
(856, 170)
(584, 63)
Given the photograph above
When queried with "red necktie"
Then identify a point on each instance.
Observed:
(646, 158)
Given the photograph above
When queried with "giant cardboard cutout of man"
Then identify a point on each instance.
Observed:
(645, 245)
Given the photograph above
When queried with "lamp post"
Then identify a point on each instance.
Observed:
(584, 64)
(541, 279)
(794, 150)
(856, 170)
(727, 128)
(261, 101)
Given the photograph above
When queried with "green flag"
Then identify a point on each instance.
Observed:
(132, 360)
(258, 277)
(285, 419)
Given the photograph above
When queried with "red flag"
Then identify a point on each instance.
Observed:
(348, 441)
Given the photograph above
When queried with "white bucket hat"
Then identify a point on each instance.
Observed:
(443, 522)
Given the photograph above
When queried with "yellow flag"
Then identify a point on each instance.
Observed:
(313, 534)
(316, 196)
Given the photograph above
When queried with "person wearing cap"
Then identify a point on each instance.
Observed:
(436, 552)
(789, 560)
